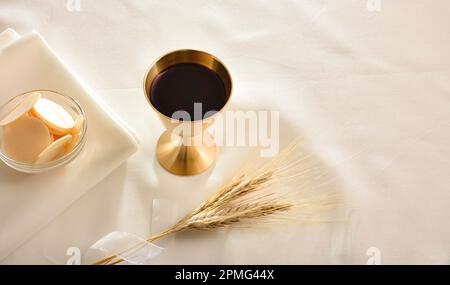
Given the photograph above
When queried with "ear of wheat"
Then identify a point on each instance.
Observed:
(271, 191)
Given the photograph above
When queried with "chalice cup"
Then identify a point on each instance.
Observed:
(186, 147)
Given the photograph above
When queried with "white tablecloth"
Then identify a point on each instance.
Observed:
(369, 88)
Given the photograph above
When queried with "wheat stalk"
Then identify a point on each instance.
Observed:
(247, 198)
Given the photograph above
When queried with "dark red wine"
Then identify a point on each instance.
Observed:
(180, 86)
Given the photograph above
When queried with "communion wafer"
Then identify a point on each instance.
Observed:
(54, 150)
(75, 132)
(56, 117)
(25, 138)
(25, 105)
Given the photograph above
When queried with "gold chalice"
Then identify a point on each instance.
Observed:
(182, 149)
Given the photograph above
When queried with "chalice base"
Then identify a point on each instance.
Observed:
(181, 159)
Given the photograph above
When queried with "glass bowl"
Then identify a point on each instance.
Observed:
(71, 106)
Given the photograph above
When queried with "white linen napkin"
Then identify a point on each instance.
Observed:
(29, 202)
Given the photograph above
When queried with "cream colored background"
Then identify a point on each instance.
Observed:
(371, 90)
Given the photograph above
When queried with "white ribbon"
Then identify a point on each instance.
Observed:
(126, 246)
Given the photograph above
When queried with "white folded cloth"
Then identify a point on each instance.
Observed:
(29, 202)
